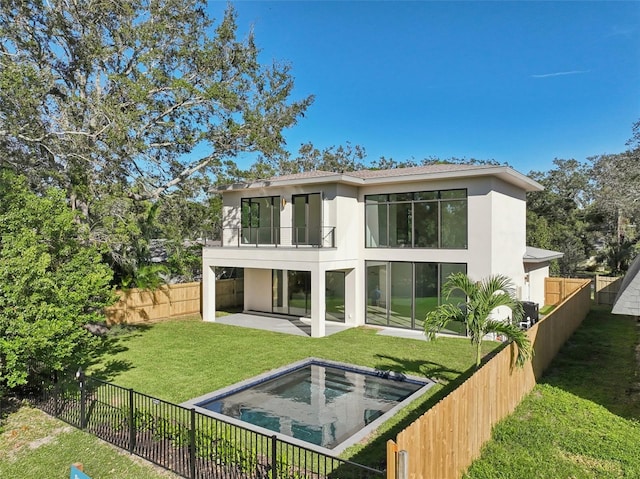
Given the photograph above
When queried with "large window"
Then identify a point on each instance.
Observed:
(307, 211)
(424, 219)
(261, 220)
(291, 292)
(400, 294)
(335, 295)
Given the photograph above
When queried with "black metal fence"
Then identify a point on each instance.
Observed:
(183, 440)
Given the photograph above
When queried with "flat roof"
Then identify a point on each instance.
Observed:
(539, 255)
(438, 171)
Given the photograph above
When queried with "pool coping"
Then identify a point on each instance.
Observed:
(275, 373)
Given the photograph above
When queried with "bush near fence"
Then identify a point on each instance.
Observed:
(171, 301)
(444, 441)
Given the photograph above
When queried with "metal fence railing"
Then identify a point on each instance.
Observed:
(183, 440)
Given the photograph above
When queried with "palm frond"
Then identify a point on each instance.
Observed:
(481, 300)
(516, 335)
(460, 282)
(438, 318)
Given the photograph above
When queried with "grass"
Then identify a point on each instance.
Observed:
(181, 359)
(547, 309)
(582, 420)
(34, 445)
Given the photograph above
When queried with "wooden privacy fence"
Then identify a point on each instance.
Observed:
(444, 441)
(557, 289)
(607, 288)
(171, 301)
(229, 293)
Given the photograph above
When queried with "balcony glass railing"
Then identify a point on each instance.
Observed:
(323, 237)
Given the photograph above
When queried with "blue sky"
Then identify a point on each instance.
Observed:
(517, 82)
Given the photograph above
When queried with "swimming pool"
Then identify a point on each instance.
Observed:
(324, 403)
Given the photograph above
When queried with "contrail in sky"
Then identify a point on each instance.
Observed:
(557, 74)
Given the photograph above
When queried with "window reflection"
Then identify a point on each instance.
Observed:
(426, 219)
(400, 294)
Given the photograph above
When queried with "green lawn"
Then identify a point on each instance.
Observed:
(34, 445)
(582, 420)
(180, 359)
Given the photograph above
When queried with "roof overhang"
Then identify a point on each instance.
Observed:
(298, 181)
(538, 255)
(505, 173)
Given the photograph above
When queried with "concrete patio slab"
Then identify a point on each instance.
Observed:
(278, 324)
(302, 326)
(403, 333)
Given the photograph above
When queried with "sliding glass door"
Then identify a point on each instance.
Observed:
(291, 292)
(260, 220)
(400, 294)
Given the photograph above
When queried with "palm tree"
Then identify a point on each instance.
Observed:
(482, 298)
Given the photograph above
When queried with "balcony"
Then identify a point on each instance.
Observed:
(267, 237)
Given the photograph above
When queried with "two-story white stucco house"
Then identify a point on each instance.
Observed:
(373, 246)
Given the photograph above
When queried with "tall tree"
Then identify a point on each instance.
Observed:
(123, 102)
(616, 191)
(616, 203)
(52, 284)
(556, 216)
(339, 158)
(100, 91)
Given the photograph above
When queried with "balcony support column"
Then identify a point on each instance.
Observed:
(208, 293)
(318, 302)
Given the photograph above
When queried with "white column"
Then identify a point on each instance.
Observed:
(318, 302)
(285, 290)
(359, 294)
(349, 297)
(208, 293)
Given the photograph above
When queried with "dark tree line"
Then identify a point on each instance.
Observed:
(589, 210)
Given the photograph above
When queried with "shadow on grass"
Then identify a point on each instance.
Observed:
(429, 369)
(373, 454)
(8, 405)
(102, 365)
(600, 363)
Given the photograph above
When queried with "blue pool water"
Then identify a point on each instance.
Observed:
(319, 403)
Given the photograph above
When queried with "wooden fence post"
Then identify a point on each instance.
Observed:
(392, 452)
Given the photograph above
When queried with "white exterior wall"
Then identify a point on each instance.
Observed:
(496, 242)
(508, 233)
(208, 291)
(257, 289)
(231, 219)
(533, 289)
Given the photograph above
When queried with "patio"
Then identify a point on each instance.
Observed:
(302, 326)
